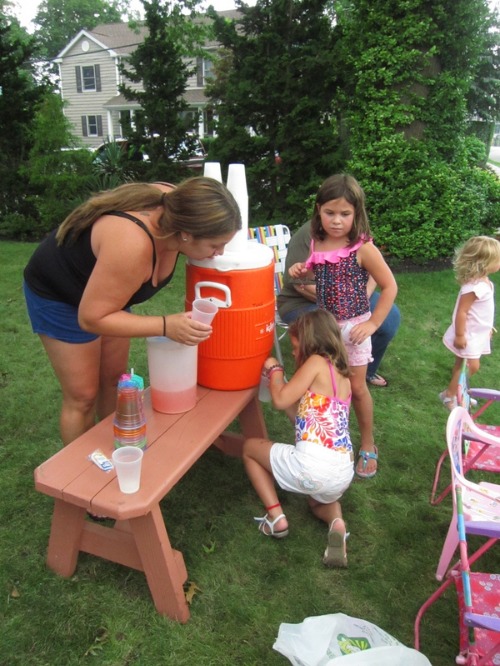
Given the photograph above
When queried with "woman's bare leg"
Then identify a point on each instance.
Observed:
(77, 369)
(114, 361)
(88, 374)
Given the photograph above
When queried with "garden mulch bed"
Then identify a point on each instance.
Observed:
(424, 266)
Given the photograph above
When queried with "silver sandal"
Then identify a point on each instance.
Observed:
(267, 527)
(450, 402)
(335, 553)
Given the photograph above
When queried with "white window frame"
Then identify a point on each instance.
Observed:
(92, 125)
(88, 81)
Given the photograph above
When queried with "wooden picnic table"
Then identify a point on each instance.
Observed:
(138, 539)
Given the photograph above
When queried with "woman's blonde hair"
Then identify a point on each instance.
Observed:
(476, 258)
(317, 332)
(200, 206)
(339, 186)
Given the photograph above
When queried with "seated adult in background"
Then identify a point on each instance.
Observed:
(298, 296)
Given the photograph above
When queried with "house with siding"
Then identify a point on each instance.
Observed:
(89, 80)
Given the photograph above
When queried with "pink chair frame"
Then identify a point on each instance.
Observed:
(477, 455)
(478, 600)
(481, 501)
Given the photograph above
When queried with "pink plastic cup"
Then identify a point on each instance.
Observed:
(204, 310)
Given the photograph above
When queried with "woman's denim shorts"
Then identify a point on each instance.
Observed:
(55, 319)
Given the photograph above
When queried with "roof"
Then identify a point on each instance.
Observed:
(119, 36)
(194, 96)
(120, 102)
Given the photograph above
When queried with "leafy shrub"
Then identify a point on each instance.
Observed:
(405, 104)
(16, 226)
(421, 207)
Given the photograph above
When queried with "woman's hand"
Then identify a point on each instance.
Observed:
(181, 328)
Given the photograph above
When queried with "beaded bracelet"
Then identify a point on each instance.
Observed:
(273, 368)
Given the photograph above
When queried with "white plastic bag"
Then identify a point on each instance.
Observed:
(325, 640)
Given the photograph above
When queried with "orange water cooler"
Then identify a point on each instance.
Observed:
(241, 283)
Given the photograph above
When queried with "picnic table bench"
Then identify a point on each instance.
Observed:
(138, 539)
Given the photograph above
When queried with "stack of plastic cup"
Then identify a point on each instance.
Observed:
(139, 382)
(129, 424)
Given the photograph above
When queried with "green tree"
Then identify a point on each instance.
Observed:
(19, 93)
(276, 79)
(58, 21)
(483, 98)
(60, 172)
(409, 69)
(161, 64)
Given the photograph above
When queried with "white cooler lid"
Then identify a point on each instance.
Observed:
(255, 255)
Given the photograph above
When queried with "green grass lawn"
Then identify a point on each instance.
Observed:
(246, 585)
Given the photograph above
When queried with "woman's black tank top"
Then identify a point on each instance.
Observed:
(61, 272)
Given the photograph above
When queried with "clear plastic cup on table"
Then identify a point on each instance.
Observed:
(127, 461)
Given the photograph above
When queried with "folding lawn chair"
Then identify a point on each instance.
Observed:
(276, 237)
(478, 456)
(478, 600)
(481, 501)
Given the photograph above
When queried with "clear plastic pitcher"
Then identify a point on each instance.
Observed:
(173, 369)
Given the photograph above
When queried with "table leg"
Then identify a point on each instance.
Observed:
(65, 534)
(230, 443)
(164, 567)
(252, 420)
(252, 423)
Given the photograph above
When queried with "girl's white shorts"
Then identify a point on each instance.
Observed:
(311, 469)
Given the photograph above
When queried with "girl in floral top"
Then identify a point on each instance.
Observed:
(342, 260)
(320, 464)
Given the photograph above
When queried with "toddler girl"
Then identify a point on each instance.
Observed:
(468, 336)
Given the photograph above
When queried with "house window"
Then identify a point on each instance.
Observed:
(126, 122)
(208, 69)
(92, 125)
(204, 71)
(209, 120)
(88, 78)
